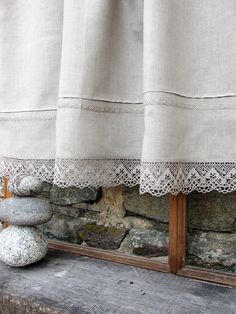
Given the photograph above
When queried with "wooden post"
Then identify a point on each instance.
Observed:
(6, 192)
(177, 232)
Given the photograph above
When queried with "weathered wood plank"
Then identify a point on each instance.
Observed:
(78, 284)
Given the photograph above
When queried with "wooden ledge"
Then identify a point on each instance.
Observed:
(108, 255)
(208, 275)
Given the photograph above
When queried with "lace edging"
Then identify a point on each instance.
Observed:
(156, 178)
(41, 168)
(161, 178)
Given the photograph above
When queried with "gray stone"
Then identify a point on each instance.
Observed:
(1, 187)
(107, 238)
(149, 243)
(144, 223)
(211, 249)
(146, 204)
(126, 246)
(212, 211)
(70, 195)
(63, 228)
(21, 246)
(24, 185)
(25, 211)
(233, 268)
(66, 221)
(82, 212)
(96, 206)
(139, 223)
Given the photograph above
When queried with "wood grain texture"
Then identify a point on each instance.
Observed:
(177, 232)
(74, 284)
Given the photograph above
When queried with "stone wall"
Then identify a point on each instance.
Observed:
(114, 219)
(1, 187)
(212, 230)
(121, 219)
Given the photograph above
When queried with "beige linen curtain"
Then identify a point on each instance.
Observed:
(108, 92)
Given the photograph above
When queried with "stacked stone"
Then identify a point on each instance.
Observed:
(23, 243)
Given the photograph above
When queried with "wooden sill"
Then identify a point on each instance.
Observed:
(208, 275)
(108, 255)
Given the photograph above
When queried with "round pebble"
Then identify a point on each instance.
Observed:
(21, 246)
(25, 211)
(25, 185)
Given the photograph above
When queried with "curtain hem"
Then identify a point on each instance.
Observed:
(156, 178)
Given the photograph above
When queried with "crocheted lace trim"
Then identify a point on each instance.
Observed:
(157, 178)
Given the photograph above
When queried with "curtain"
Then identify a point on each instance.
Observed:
(108, 92)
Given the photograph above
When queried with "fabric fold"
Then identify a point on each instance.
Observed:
(107, 92)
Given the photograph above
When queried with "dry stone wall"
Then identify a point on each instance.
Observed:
(121, 219)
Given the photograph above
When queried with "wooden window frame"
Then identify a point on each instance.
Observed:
(177, 248)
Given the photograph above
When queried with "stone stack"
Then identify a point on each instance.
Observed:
(23, 243)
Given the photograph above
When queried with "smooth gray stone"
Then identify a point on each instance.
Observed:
(24, 185)
(25, 211)
(21, 246)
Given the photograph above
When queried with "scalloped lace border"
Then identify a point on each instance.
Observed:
(156, 178)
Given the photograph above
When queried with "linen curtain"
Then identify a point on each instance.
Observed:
(108, 92)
